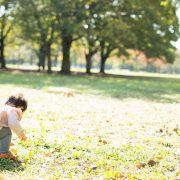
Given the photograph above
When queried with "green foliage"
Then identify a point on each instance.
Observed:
(69, 16)
(157, 26)
(37, 22)
(36, 19)
(8, 13)
(147, 26)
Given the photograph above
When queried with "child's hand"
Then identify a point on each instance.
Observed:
(23, 138)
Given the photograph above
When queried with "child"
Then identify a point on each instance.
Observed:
(10, 115)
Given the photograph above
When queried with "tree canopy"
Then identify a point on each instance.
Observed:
(101, 26)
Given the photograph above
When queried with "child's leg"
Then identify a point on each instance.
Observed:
(5, 140)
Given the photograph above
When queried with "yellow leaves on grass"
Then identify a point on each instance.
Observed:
(69, 93)
(30, 153)
(159, 157)
(119, 174)
(140, 165)
(11, 144)
(103, 141)
(150, 163)
(14, 151)
(116, 174)
(47, 154)
(176, 129)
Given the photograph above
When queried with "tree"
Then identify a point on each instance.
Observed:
(90, 34)
(38, 24)
(105, 32)
(156, 25)
(117, 36)
(148, 26)
(7, 20)
(69, 15)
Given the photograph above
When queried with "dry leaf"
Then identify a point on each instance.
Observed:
(69, 94)
(93, 168)
(14, 151)
(31, 153)
(48, 154)
(151, 162)
(176, 129)
(104, 142)
(159, 157)
(140, 165)
(119, 174)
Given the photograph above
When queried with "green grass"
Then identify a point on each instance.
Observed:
(149, 88)
(103, 132)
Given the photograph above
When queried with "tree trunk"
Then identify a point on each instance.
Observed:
(105, 52)
(49, 58)
(55, 60)
(42, 56)
(102, 61)
(66, 45)
(2, 59)
(88, 63)
(44, 53)
(43, 60)
(102, 64)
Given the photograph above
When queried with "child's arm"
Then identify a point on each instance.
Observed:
(18, 112)
(14, 125)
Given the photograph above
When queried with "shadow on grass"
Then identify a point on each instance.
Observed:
(10, 165)
(149, 88)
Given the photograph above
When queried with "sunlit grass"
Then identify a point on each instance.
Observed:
(102, 132)
(157, 89)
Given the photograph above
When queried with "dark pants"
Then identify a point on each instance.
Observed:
(5, 139)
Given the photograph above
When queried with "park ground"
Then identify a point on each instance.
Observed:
(90, 127)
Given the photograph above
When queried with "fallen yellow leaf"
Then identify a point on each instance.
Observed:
(47, 154)
(31, 153)
(159, 157)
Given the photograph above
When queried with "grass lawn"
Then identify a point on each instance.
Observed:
(112, 128)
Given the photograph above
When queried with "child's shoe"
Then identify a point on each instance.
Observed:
(7, 155)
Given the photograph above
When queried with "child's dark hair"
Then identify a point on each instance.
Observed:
(18, 101)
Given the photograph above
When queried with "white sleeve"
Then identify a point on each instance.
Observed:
(14, 124)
